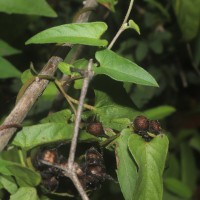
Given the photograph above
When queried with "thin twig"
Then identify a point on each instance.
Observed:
(71, 174)
(122, 28)
(88, 76)
(89, 107)
(79, 187)
(65, 95)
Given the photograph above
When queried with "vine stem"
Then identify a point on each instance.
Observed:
(58, 84)
(123, 26)
(71, 100)
(88, 76)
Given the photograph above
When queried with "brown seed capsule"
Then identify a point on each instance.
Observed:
(95, 128)
(154, 127)
(141, 123)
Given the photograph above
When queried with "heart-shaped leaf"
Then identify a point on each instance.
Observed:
(126, 167)
(150, 158)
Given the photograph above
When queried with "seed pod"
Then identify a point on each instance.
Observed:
(96, 170)
(147, 137)
(95, 128)
(141, 123)
(51, 183)
(154, 127)
(93, 157)
(48, 155)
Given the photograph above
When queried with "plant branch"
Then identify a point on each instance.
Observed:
(72, 174)
(88, 76)
(123, 26)
(58, 84)
(32, 93)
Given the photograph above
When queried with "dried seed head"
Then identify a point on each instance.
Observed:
(154, 127)
(95, 128)
(93, 157)
(96, 170)
(141, 123)
(50, 156)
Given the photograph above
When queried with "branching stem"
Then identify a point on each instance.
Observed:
(123, 26)
(88, 76)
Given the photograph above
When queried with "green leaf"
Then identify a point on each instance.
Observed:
(11, 155)
(6, 49)
(141, 51)
(133, 25)
(83, 33)
(36, 7)
(168, 195)
(32, 136)
(159, 112)
(160, 7)
(25, 193)
(126, 167)
(187, 13)
(26, 75)
(80, 64)
(7, 70)
(156, 46)
(113, 115)
(195, 142)
(188, 167)
(172, 167)
(177, 187)
(108, 4)
(64, 68)
(150, 158)
(49, 92)
(8, 183)
(24, 176)
(122, 69)
(59, 117)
